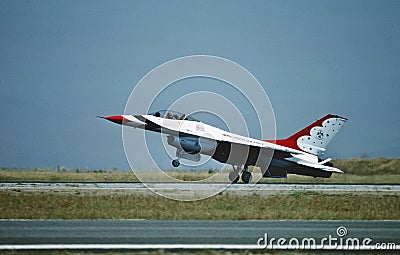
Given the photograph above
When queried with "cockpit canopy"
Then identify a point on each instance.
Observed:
(173, 115)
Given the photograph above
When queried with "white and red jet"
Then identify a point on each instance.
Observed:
(298, 154)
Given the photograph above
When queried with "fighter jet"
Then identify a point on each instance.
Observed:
(298, 154)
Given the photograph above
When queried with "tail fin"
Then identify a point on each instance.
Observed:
(314, 138)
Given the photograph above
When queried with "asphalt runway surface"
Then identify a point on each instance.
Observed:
(152, 234)
(191, 234)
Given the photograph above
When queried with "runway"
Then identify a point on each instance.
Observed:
(154, 234)
(261, 189)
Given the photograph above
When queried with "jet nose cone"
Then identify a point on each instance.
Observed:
(116, 119)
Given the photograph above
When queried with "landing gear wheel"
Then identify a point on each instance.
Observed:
(246, 177)
(234, 176)
(175, 163)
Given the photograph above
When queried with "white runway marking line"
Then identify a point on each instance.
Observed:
(164, 246)
(395, 188)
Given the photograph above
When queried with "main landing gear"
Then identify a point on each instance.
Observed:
(234, 175)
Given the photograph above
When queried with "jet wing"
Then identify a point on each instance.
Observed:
(260, 144)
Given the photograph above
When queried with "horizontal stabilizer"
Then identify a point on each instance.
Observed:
(315, 165)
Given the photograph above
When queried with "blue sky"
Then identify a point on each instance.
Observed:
(65, 62)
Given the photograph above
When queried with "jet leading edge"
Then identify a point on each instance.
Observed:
(298, 154)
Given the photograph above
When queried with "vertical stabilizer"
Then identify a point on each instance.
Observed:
(314, 138)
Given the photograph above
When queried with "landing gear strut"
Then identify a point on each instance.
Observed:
(175, 162)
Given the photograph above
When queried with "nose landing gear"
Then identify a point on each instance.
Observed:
(175, 163)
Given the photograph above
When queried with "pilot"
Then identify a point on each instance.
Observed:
(169, 115)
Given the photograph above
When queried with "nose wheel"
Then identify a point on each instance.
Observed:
(175, 163)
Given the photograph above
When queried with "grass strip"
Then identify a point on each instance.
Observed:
(302, 205)
(379, 170)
